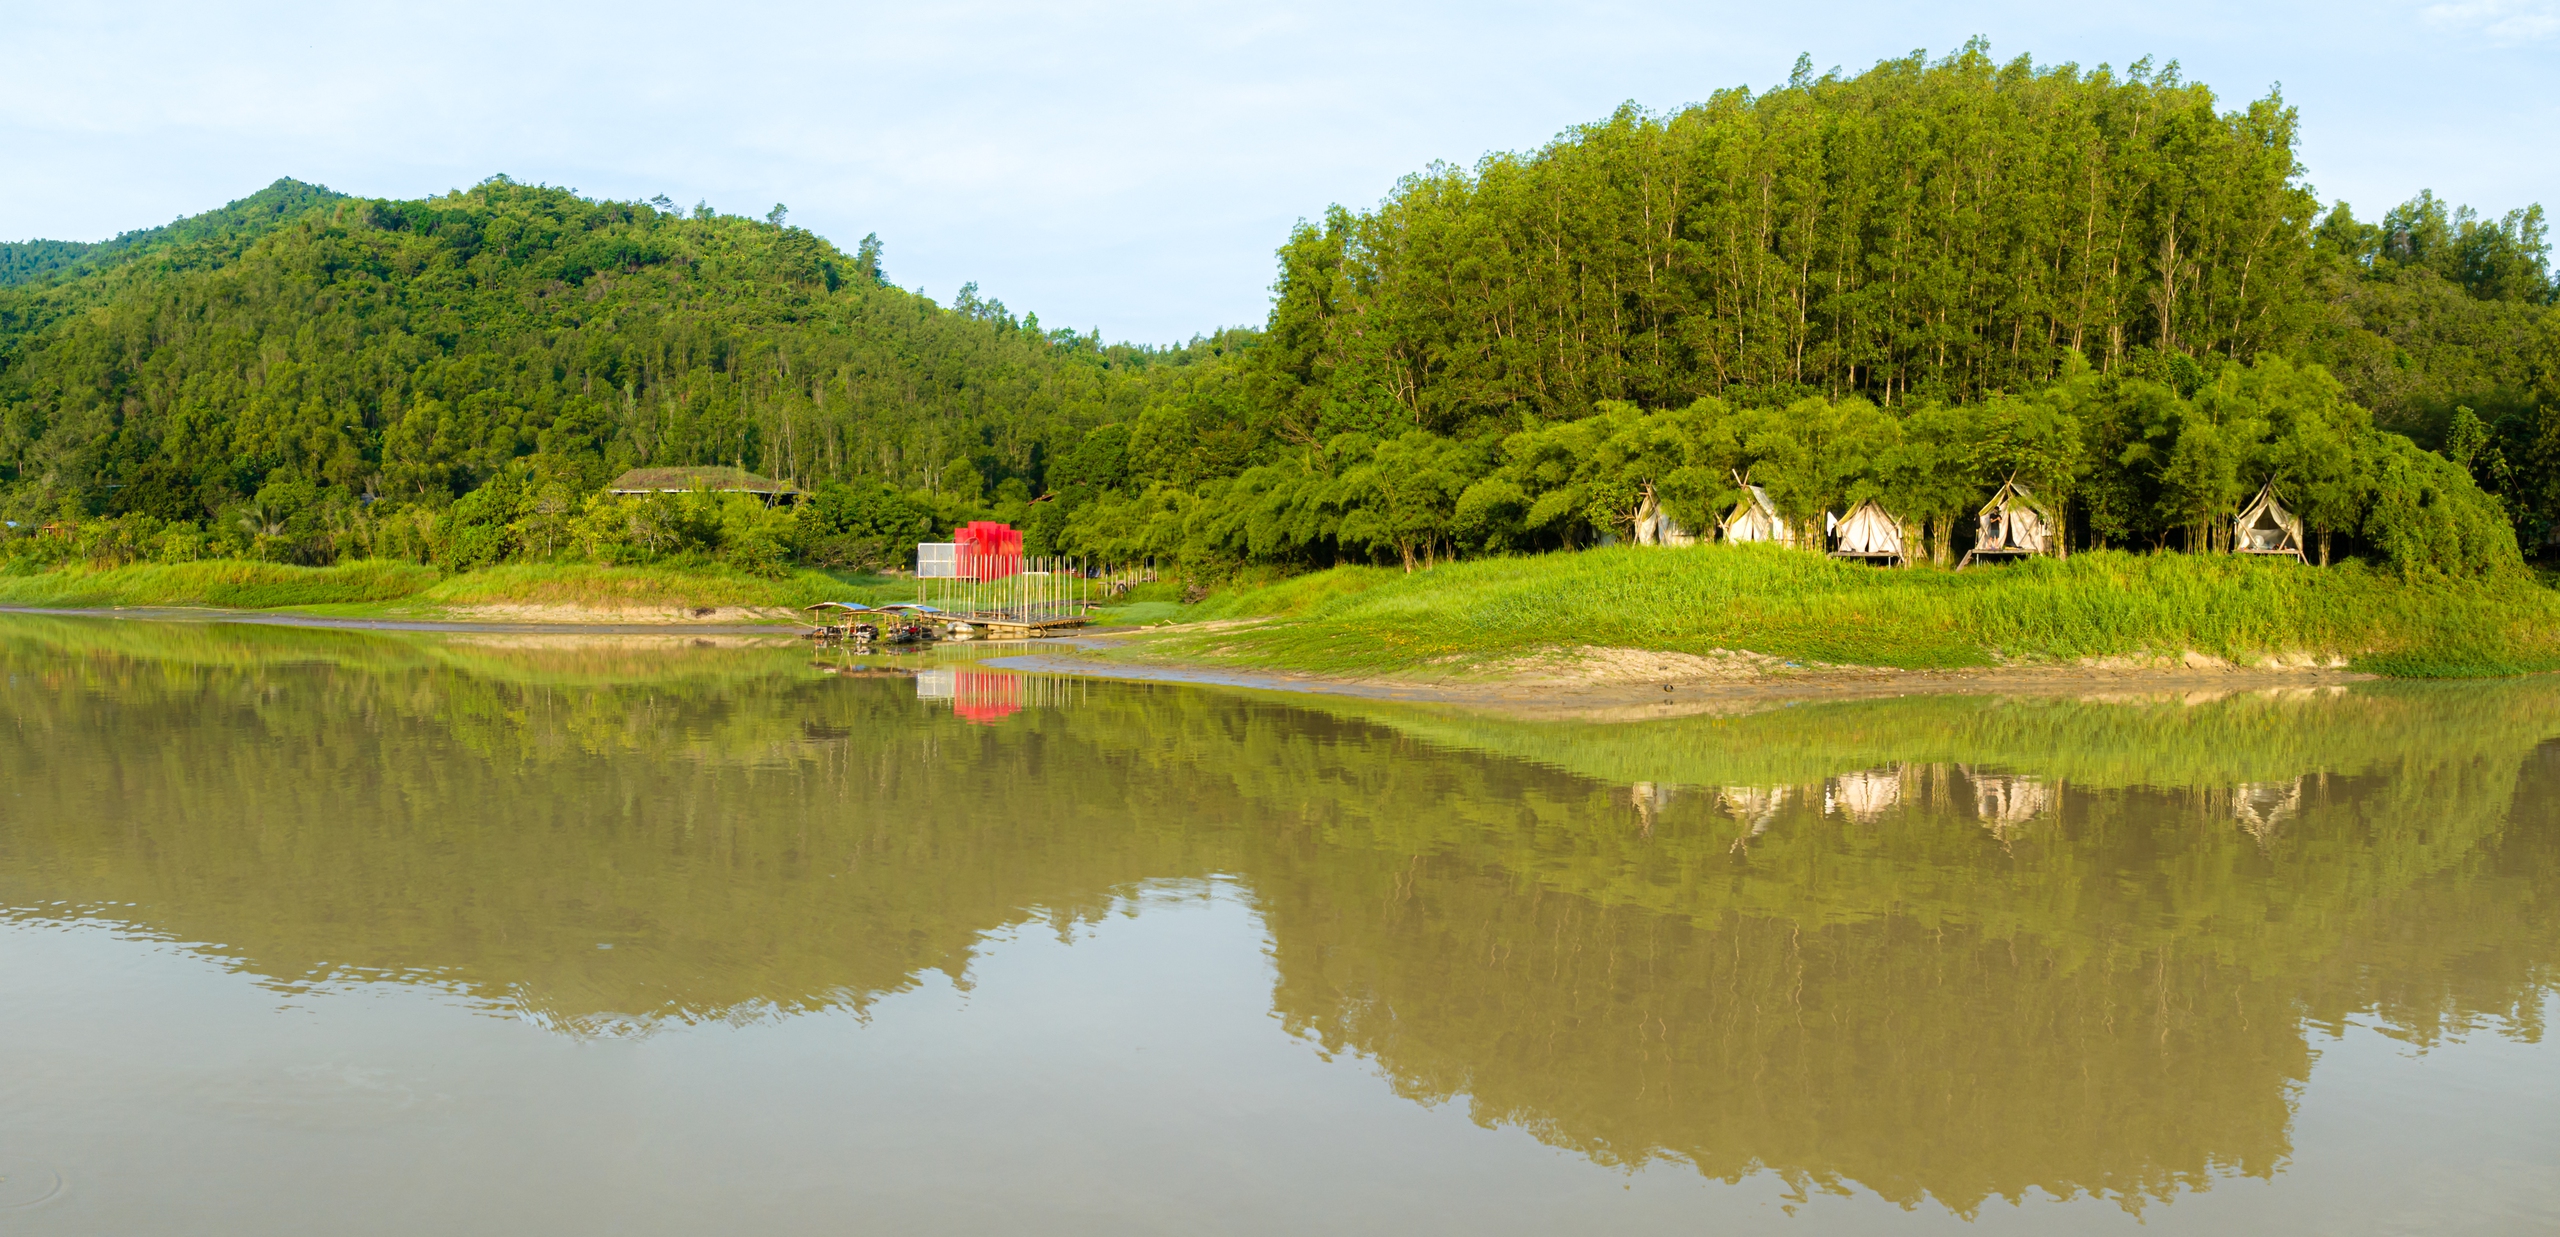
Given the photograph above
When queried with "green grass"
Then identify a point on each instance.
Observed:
(377, 589)
(229, 584)
(1807, 607)
(598, 587)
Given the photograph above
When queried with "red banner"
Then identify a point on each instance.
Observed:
(988, 550)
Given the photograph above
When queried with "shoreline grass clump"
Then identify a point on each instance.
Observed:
(382, 588)
(597, 586)
(1788, 604)
(231, 584)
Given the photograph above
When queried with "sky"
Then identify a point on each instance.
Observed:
(1126, 167)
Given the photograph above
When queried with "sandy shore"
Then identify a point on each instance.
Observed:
(1589, 684)
(1601, 684)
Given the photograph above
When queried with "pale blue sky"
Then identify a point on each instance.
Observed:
(1126, 166)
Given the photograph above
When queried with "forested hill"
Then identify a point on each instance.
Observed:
(1907, 285)
(213, 234)
(413, 350)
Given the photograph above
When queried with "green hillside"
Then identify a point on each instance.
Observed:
(195, 239)
(1908, 285)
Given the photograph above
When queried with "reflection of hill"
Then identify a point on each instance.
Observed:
(2044, 1014)
(2072, 978)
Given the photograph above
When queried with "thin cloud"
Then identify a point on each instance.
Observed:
(2507, 21)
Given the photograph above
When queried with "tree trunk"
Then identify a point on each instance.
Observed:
(2324, 547)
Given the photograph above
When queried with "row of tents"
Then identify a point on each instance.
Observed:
(2011, 525)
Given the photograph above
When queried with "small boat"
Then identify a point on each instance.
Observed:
(834, 620)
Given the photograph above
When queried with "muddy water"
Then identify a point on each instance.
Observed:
(329, 932)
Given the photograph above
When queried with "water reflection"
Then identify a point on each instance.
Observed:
(985, 696)
(1938, 949)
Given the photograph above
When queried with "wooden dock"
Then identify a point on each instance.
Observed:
(1007, 627)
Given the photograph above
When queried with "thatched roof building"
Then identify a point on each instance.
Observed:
(1869, 532)
(2265, 527)
(717, 479)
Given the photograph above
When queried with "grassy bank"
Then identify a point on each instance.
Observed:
(228, 584)
(588, 586)
(1806, 607)
(407, 589)
(1471, 615)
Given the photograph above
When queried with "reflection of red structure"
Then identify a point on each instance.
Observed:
(988, 550)
(985, 697)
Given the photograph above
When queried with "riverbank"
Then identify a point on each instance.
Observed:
(576, 594)
(1728, 613)
(1602, 626)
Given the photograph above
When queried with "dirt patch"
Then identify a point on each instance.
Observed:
(1593, 666)
(2192, 661)
(617, 616)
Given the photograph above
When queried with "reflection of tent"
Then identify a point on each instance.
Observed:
(1755, 806)
(1755, 518)
(1649, 799)
(1867, 532)
(2010, 526)
(1654, 526)
(2263, 807)
(2265, 527)
(2004, 802)
(1864, 796)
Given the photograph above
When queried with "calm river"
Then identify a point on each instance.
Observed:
(329, 932)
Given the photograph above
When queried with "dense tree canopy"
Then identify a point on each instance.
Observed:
(1909, 284)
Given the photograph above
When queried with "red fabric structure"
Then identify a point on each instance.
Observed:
(988, 550)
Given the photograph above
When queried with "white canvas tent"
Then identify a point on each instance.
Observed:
(1755, 518)
(2265, 527)
(2010, 526)
(1868, 532)
(1654, 526)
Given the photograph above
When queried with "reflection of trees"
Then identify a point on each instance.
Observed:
(1946, 1061)
(2110, 995)
(2110, 1002)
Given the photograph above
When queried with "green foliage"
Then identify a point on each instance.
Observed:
(1942, 229)
(196, 239)
(414, 351)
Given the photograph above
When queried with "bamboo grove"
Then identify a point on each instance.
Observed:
(1906, 284)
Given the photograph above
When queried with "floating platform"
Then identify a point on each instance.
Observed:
(1005, 627)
